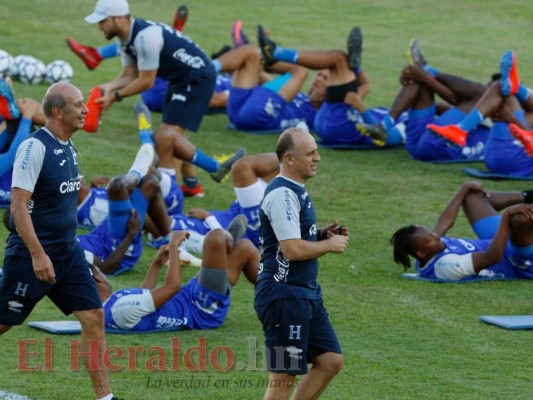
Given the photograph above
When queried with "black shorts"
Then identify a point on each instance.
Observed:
(20, 290)
(186, 102)
(296, 331)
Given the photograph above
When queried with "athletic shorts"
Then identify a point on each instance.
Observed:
(186, 102)
(296, 332)
(20, 290)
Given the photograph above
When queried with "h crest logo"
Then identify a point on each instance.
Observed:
(294, 332)
(21, 289)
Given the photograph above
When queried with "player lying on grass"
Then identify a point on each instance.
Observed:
(116, 244)
(509, 104)
(504, 247)
(202, 303)
(341, 84)
(421, 83)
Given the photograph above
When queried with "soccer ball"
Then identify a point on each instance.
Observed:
(31, 70)
(59, 71)
(6, 60)
(17, 61)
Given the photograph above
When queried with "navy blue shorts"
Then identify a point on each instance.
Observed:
(20, 289)
(186, 102)
(296, 331)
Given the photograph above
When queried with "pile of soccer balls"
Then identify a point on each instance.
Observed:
(28, 69)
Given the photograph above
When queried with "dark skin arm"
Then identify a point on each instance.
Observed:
(416, 74)
(172, 283)
(110, 264)
(494, 253)
(449, 215)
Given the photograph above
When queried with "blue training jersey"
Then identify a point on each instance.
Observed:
(5, 189)
(102, 242)
(457, 254)
(93, 209)
(506, 155)
(182, 222)
(193, 307)
(261, 109)
(286, 212)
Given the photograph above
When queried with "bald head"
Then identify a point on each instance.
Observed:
(289, 140)
(57, 95)
(297, 151)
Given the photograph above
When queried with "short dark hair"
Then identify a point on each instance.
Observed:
(402, 243)
(53, 99)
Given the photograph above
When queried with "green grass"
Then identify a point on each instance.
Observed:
(401, 339)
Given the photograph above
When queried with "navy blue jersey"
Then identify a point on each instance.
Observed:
(179, 58)
(286, 212)
(49, 170)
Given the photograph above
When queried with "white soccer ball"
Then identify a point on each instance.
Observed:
(6, 60)
(17, 61)
(31, 71)
(59, 71)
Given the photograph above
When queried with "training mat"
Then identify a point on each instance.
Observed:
(511, 322)
(232, 127)
(346, 146)
(414, 276)
(71, 327)
(477, 173)
(458, 161)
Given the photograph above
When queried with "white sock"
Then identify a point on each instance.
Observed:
(108, 397)
(165, 184)
(143, 160)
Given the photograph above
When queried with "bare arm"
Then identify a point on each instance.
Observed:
(449, 215)
(416, 74)
(112, 261)
(19, 210)
(299, 250)
(172, 284)
(494, 253)
(364, 86)
(129, 83)
(127, 75)
(160, 259)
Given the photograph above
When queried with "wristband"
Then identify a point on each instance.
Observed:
(118, 97)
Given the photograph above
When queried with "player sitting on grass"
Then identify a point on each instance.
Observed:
(504, 247)
(202, 303)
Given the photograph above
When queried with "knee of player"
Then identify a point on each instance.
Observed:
(519, 221)
(117, 187)
(334, 363)
(92, 322)
(241, 166)
(215, 240)
(150, 182)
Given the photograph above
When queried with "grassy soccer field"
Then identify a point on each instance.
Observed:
(401, 339)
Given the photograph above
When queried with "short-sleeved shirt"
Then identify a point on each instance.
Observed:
(153, 45)
(286, 212)
(455, 261)
(48, 168)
